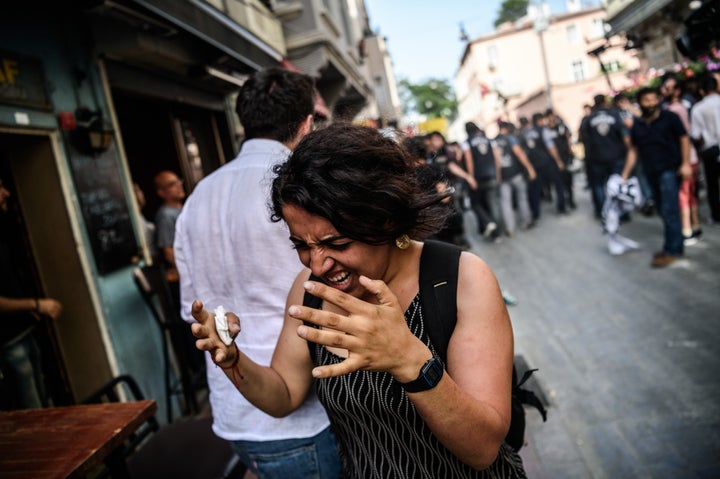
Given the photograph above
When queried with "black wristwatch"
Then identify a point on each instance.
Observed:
(430, 375)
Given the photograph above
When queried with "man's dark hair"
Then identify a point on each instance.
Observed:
(505, 125)
(471, 128)
(437, 133)
(549, 112)
(537, 117)
(360, 181)
(708, 84)
(415, 145)
(599, 100)
(274, 102)
(523, 120)
(646, 91)
(619, 97)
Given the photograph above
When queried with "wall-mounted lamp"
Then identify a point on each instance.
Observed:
(93, 133)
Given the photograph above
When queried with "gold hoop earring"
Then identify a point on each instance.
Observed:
(402, 241)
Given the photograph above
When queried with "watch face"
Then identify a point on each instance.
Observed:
(433, 371)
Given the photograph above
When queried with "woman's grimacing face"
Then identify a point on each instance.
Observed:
(338, 260)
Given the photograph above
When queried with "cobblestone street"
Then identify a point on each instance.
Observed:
(627, 355)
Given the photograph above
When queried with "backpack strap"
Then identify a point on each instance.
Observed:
(439, 264)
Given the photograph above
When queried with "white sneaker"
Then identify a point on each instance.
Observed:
(489, 229)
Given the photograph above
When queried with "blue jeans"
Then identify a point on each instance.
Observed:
(20, 363)
(666, 187)
(309, 458)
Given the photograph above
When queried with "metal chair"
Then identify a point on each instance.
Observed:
(154, 289)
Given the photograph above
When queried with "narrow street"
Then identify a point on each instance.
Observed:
(628, 356)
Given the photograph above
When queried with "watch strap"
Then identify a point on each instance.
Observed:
(430, 375)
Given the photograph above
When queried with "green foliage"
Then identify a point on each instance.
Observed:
(434, 98)
(511, 10)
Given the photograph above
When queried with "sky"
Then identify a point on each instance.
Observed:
(423, 36)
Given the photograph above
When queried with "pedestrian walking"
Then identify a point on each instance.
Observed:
(483, 159)
(705, 131)
(607, 146)
(513, 166)
(540, 149)
(662, 143)
(231, 255)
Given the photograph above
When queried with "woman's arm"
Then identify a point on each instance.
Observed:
(278, 389)
(469, 410)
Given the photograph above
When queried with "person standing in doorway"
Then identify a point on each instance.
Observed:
(21, 378)
(230, 254)
(171, 191)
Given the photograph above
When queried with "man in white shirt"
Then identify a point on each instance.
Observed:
(705, 131)
(229, 253)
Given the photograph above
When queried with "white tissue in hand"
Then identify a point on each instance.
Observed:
(221, 325)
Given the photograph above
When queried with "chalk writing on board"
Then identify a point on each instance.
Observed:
(104, 206)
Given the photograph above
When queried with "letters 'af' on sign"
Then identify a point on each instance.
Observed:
(22, 82)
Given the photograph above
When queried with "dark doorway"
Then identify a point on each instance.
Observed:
(160, 135)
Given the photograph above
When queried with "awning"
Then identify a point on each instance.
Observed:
(203, 21)
(634, 14)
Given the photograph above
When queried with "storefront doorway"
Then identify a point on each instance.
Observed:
(28, 165)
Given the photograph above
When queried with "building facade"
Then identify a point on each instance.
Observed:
(517, 71)
(665, 32)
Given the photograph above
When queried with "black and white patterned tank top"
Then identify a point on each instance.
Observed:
(379, 432)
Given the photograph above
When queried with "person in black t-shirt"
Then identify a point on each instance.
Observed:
(540, 149)
(607, 142)
(22, 382)
(483, 160)
(561, 137)
(662, 142)
(512, 162)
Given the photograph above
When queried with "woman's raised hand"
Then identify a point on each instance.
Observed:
(376, 336)
(207, 336)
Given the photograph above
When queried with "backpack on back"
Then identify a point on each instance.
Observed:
(438, 294)
(439, 264)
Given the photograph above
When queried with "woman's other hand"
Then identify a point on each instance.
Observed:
(376, 336)
(208, 338)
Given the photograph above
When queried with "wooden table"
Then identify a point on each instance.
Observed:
(65, 441)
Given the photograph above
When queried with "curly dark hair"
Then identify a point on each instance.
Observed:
(360, 181)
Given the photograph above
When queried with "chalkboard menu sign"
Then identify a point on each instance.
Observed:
(99, 187)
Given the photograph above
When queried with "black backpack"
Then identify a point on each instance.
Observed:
(438, 293)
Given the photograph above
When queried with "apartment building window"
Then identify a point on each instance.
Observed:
(573, 34)
(492, 56)
(578, 70)
(613, 66)
(598, 28)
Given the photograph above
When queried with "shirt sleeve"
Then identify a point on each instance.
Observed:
(465, 146)
(547, 138)
(181, 248)
(676, 124)
(165, 226)
(696, 124)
